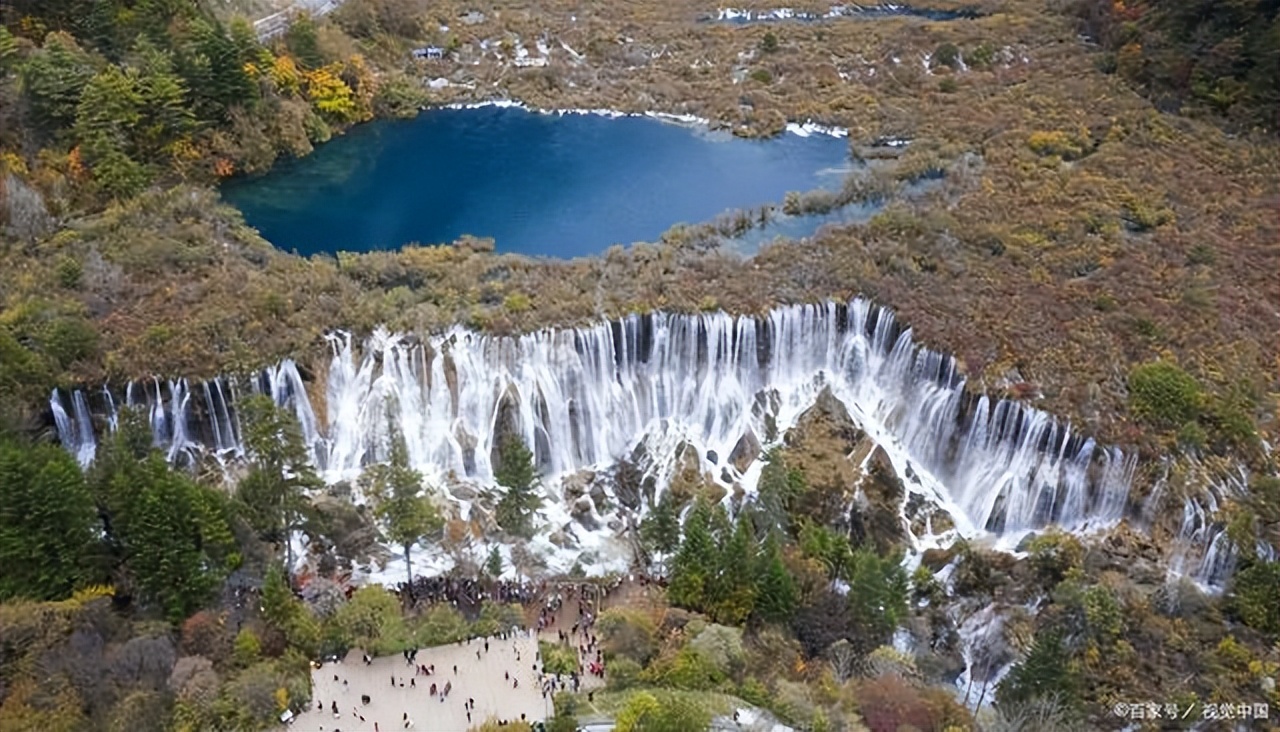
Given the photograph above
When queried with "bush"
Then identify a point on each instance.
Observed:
(948, 55)
(1255, 596)
(624, 673)
(1053, 554)
(558, 658)
(762, 75)
(1057, 143)
(981, 56)
(439, 625)
(658, 712)
(688, 670)
(247, 649)
(627, 632)
(890, 703)
(1163, 395)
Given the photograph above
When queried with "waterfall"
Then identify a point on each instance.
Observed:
(75, 430)
(589, 396)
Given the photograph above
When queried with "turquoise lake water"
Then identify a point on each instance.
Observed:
(559, 186)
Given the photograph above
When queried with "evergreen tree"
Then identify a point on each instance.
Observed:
(46, 522)
(52, 79)
(178, 539)
(302, 41)
(515, 473)
(877, 597)
(109, 110)
(274, 493)
(165, 116)
(734, 590)
(697, 559)
(776, 492)
(8, 50)
(213, 67)
(410, 516)
(660, 528)
(776, 593)
(828, 547)
(1044, 673)
(493, 565)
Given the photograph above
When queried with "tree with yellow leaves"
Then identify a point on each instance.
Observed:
(284, 73)
(332, 98)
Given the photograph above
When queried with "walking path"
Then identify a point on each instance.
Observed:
(500, 685)
(497, 677)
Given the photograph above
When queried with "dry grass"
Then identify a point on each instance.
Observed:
(1156, 238)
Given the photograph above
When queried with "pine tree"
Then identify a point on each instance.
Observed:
(515, 472)
(877, 599)
(734, 589)
(52, 80)
(776, 595)
(493, 565)
(8, 50)
(110, 109)
(1044, 673)
(410, 516)
(697, 559)
(46, 522)
(660, 528)
(274, 493)
(177, 541)
(166, 116)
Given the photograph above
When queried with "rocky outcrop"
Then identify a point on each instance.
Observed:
(819, 446)
(878, 508)
(745, 451)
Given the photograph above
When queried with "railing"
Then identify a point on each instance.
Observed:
(279, 22)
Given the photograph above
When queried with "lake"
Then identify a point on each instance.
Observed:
(551, 185)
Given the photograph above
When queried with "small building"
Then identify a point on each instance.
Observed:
(429, 53)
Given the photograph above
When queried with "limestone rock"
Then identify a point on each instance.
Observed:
(583, 511)
(575, 485)
(879, 512)
(745, 451)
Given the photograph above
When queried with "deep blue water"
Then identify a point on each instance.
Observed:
(538, 184)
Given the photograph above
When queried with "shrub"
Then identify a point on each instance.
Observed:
(439, 625)
(1201, 254)
(1053, 554)
(624, 673)
(627, 632)
(1255, 596)
(517, 302)
(889, 703)
(769, 43)
(982, 55)
(948, 86)
(688, 670)
(1163, 395)
(70, 271)
(558, 658)
(657, 712)
(762, 75)
(948, 55)
(1057, 143)
(247, 649)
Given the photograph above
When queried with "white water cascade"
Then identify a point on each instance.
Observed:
(589, 396)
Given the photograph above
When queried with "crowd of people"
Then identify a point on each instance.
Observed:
(567, 609)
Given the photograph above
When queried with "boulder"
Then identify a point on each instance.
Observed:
(745, 451)
(583, 511)
(576, 484)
